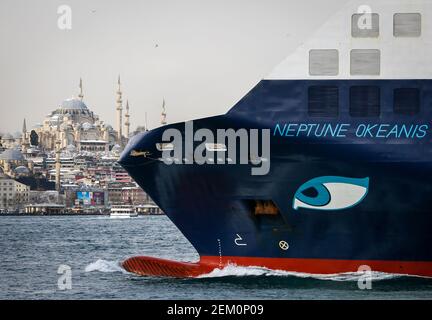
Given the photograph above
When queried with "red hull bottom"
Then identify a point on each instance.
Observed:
(149, 266)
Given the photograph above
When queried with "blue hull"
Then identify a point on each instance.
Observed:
(211, 204)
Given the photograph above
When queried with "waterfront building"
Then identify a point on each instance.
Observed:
(120, 175)
(65, 175)
(45, 208)
(134, 195)
(148, 209)
(13, 195)
(127, 193)
(66, 162)
(44, 196)
(115, 193)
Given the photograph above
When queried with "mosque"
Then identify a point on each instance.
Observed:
(78, 128)
(71, 128)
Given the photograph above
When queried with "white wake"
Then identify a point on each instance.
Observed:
(239, 271)
(233, 270)
(105, 266)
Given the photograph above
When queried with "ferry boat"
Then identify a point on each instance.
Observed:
(349, 164)
(119, 211)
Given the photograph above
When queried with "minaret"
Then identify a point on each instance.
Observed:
(24, 141)
(119, 113)
(81, 95)
(24, 129)
(163, 114)
(57, 159)
(127, 121)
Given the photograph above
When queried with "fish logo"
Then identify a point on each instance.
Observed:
(331, 193)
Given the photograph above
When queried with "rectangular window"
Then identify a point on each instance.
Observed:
(364, 101)
(264, 207)
(407, 25)
(363, 27)
(365, 62)
(324, 62)
(323, 101)
(406, 101)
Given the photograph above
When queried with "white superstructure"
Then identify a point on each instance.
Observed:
(380, 39)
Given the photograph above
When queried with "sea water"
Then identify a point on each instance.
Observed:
(32, 249)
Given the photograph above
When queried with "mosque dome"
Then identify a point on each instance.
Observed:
(73, 104)
(22, 170)
(12, 155)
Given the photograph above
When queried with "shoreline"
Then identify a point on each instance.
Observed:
(64, 214)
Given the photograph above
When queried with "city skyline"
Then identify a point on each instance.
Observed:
(193, 55)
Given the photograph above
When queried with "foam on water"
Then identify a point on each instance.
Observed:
(104, 266)
(233, 270)
(240, 271)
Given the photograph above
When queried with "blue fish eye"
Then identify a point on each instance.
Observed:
(310, 192)
(321, 198)
(331, 193)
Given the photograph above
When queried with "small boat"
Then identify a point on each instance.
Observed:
(122, 211)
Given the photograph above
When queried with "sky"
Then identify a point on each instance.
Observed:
(200, 56)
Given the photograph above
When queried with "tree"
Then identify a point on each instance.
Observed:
(34, 138)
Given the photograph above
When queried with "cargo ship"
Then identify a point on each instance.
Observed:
(346, 179)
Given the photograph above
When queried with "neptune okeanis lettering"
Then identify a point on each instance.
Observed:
(343, 130)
